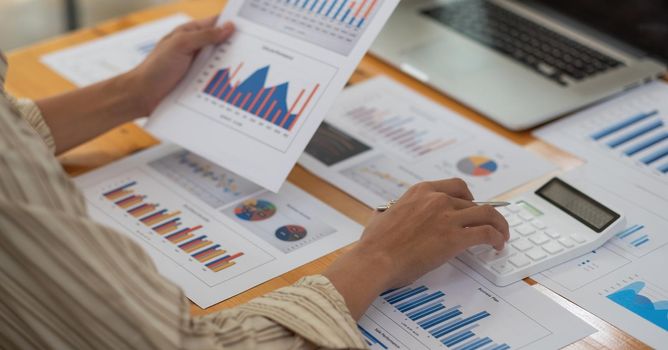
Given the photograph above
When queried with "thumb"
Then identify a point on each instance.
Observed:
(198, 39)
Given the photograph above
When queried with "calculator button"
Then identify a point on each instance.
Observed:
(538, 224)
(522, 245)
(514, 236)
(536, 254)
(519, 260)
(552, 233)
(525, 229)
(477, 249)
(513, 221)
(566, 242)
(502, 267)
(503, 211)
(514, 208)
(552, 247)
(493, 255)
(525, 215)
(578, 238)
(539, 239)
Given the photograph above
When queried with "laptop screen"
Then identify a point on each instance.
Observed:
(640, 23)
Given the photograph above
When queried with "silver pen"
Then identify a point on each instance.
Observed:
(382, 208)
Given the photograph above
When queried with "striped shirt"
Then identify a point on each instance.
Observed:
(67, 282)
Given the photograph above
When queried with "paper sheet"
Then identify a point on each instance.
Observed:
(253, 103)
(453, 307)
(208, 230)
(380, 138)
(101, 59)
(625, 144)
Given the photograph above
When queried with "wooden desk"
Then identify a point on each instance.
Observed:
(29, 78)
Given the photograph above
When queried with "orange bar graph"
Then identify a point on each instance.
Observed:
(159, 218)
(359, 9)
(118, 194)
(292, 108)
(223, 267)
(130, 201)
(305, 104)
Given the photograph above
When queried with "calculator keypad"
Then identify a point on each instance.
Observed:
(531, 241)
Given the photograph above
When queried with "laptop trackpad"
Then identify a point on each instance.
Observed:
(448, 60)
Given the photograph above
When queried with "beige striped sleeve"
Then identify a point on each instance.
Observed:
(67, 282)
(310, 312)
(29, 110)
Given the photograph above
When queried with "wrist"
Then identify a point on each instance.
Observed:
(132, 91)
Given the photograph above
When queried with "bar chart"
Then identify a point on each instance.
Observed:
(252, 95)
(450, 308)
(259, 89)
(447, 323)
(333, 24)
(406, 134)
(642, 137)
(171, 227)
(212, 184)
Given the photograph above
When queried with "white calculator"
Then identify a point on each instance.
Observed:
(552, 225)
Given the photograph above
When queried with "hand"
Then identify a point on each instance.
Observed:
(430, 224)
(169, 62)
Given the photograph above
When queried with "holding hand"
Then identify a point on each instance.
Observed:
(430, 224)
(169, 62)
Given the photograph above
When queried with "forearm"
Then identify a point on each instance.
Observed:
(360, 276)
(80, 115)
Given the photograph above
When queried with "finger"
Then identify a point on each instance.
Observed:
(483, 215)
(485, 234)
(199, 24)
(460, 204)
(453, 187)
(194, 41)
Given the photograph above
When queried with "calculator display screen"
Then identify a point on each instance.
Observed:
(578, 205)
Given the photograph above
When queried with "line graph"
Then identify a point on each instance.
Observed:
(258, 88)
(254, 96)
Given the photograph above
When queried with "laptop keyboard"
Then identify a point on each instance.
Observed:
(553, 55)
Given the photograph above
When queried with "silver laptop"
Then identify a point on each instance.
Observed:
(525, 62)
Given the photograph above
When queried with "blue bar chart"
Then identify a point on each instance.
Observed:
(430, 310)
(453, 308)
(642, 137)
(634, 236)
(339, 23)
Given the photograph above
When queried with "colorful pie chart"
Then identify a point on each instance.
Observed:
(477, 166)
(255, 210)
(290, 233)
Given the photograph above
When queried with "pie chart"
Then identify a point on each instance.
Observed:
(477, 166)
(290, 233)
(255, 210)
